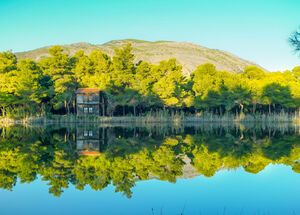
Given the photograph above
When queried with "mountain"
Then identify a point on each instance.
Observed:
(189, 55)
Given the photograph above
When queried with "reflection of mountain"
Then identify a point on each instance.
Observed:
(126, 154)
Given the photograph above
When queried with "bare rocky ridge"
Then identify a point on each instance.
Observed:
(187, 54)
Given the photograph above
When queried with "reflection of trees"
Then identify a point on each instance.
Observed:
(255, 163)
(131, 154)
(93, 171)
(207, 163)
(58, 172)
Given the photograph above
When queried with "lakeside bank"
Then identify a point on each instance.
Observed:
(159, 118)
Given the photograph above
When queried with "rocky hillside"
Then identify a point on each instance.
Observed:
(188, 55)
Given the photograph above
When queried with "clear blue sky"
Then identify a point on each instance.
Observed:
(256, 30)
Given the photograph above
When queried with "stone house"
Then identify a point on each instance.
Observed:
(89, 101)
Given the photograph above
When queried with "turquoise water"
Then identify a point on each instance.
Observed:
(231, 189)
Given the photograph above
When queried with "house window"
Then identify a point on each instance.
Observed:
(85, 110)
(94, 98)
(79, 98)
(90, 110)
(85, 133)
(90, 133)
(85, 98)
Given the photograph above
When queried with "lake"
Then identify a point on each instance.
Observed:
(150, 169)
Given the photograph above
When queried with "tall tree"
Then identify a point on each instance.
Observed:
(123, 66)
(206, 85)
(59, 68)
(93, 70)
(8, 62)
(169, 85)
(253, 78)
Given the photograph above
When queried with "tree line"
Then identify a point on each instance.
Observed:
(47, 86)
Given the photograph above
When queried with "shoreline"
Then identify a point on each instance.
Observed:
(154, 119)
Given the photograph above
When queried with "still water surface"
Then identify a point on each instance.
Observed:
(158, 169)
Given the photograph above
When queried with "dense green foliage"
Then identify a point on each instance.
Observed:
(47, 86)
(128, 154)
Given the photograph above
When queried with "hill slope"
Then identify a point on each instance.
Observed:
(187, 54)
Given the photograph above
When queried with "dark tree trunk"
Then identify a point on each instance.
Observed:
(134, 110)
(254, 108)
(3, 111)
(103, 107)
(67, 107)
(242, 108)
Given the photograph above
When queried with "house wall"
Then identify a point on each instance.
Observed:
(88, 109)
(89, 138)
(88, 104)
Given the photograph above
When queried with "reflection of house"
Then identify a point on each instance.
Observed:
(88, 140)
(89, 101)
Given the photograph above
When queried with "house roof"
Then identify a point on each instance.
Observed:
(87, 90)
(89, 153)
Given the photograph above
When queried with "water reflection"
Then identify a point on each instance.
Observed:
(97, 156)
